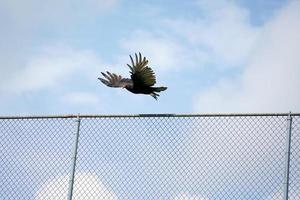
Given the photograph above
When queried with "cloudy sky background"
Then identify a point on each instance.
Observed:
(215, 56)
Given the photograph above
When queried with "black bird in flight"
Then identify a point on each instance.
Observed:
(142, 78)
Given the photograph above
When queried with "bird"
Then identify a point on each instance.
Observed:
(142, 79)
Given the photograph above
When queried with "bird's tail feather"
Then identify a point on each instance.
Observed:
(159, 89)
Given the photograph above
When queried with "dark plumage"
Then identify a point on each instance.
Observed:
(142, 78)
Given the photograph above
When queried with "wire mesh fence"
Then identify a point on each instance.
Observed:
(161, 157)
(295, 160)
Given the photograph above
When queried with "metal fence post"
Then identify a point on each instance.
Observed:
(74, 157)
(287, 158)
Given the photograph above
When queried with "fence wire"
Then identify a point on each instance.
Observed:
(167, 157)
(294, 192)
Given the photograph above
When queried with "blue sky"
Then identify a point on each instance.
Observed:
(214, 56)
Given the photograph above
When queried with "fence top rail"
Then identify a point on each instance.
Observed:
(149, 115)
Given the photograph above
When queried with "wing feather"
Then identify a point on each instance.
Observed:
(141, 74)
(114, 80)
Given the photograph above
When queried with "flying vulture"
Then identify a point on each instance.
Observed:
(142, 78)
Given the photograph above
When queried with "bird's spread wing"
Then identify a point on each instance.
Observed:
(141, 74)
(114, 80)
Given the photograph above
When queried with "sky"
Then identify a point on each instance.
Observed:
(218, 56)
(222, 56)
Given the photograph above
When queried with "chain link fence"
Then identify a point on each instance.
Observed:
(155, 157)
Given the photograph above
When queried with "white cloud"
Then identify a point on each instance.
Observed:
(33, 12)
(276, 196)
(279, 195)
(224, 33)
(51, 67)
(164, 52)
(189, 197)
(270, 82)
(81, 98)
(87, 186)
(222, 36)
